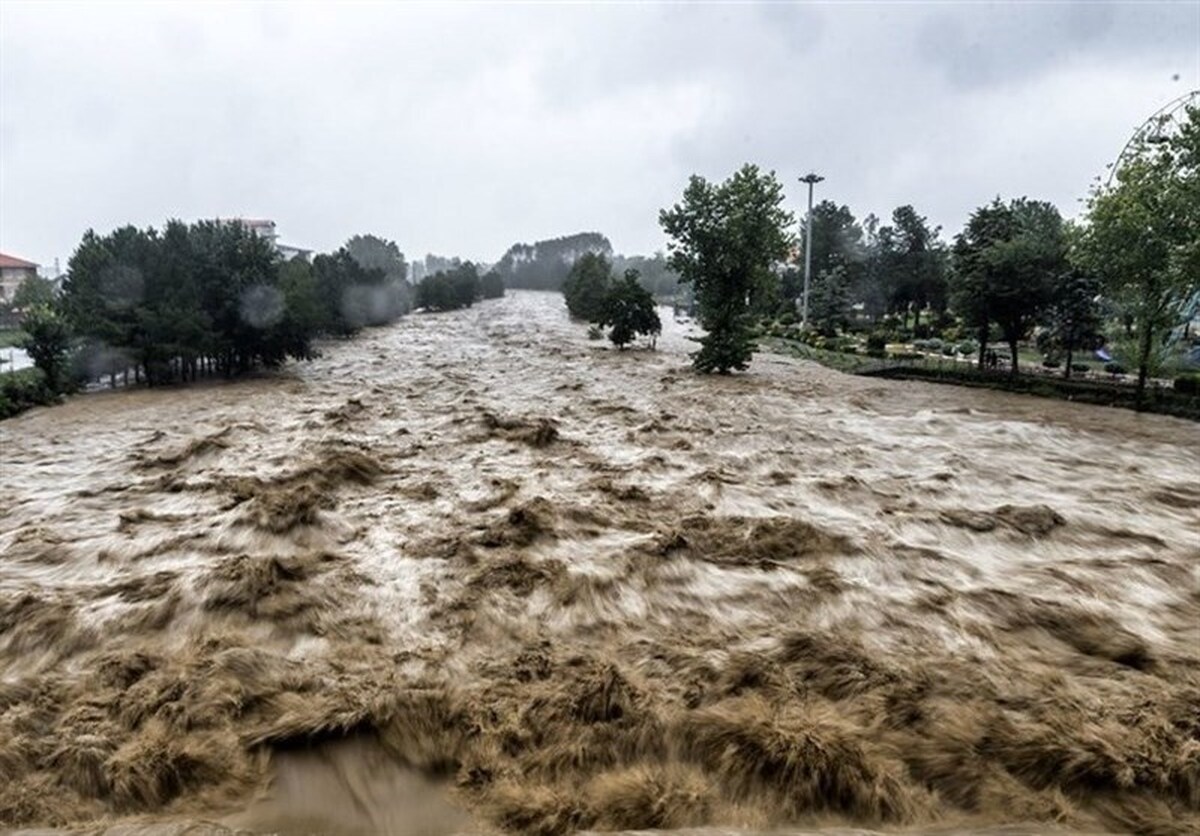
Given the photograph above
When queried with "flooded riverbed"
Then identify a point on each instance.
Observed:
(517, 579)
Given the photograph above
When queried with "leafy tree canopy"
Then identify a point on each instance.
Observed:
(629, 310)
(1007, 260)
(586, 287)
(1142, 237)
(725, 239)
(47, 342)
(449, 290)
(32, 292)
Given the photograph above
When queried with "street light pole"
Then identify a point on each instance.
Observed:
(812, 179)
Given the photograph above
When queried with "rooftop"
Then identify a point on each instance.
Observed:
(12, 261)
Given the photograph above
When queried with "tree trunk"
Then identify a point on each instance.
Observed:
(1012, 347)
(983, 333)
(1070, 354)
(1145, 343)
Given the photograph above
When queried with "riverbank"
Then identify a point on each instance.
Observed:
(1160, 396)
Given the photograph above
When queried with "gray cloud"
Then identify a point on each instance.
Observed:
(460, 129)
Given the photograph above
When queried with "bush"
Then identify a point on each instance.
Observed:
(876, 342)
(1082, 368)
(948, 350)
(23, 389)
(48, 344)
(968, 348)
(1051, 363)
(788, 318)
(1114, 368)
(906, 355)
(1188, 384)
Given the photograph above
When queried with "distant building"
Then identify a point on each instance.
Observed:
(287, 252)
(13, 271)
(265, 229)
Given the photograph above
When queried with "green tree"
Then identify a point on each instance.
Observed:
(352, 296)
(1006, 260)
(629, 310)
(449, 290)
(838, 249)
(189, 300)
(586, 287)
(32, 292)
(1072, 316)
(829, 304)
(915, 264)
(379, 254)
(725, 238)
(1142, 238)
(491, 285)
(47, 343)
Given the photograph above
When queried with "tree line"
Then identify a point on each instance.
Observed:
(458, 287)
(1124, 273)
(207, 298)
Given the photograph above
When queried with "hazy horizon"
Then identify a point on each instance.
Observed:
(460, 130)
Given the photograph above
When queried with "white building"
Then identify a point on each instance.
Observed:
(266, 230)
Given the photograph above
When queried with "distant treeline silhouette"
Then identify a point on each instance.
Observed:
(544, 265)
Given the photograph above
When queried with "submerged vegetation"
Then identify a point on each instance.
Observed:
(622, 305)
(725, 238)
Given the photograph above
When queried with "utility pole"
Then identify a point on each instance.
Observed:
(812, 179)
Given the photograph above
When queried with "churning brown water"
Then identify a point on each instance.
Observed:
(474, 571)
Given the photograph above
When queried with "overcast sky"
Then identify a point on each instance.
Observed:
(462, 129)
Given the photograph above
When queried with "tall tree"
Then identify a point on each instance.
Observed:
(916, 263)
(375, 253)
(1142, 237)
(586, 287)
(838, 259)
(1006, 259)
(725, 238)
(1072, 315)
(829, 307)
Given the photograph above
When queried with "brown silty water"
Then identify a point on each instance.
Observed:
(475, 572)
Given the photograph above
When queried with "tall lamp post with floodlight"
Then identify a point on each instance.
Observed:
(811, 179)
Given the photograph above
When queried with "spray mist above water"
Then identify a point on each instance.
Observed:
(474, 573)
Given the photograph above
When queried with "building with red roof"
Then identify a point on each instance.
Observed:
(13, 271)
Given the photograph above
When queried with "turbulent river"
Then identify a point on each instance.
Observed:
(474, 572)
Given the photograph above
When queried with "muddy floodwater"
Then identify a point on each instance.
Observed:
(475, 572)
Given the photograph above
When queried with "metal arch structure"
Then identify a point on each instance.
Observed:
(1161, 125)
